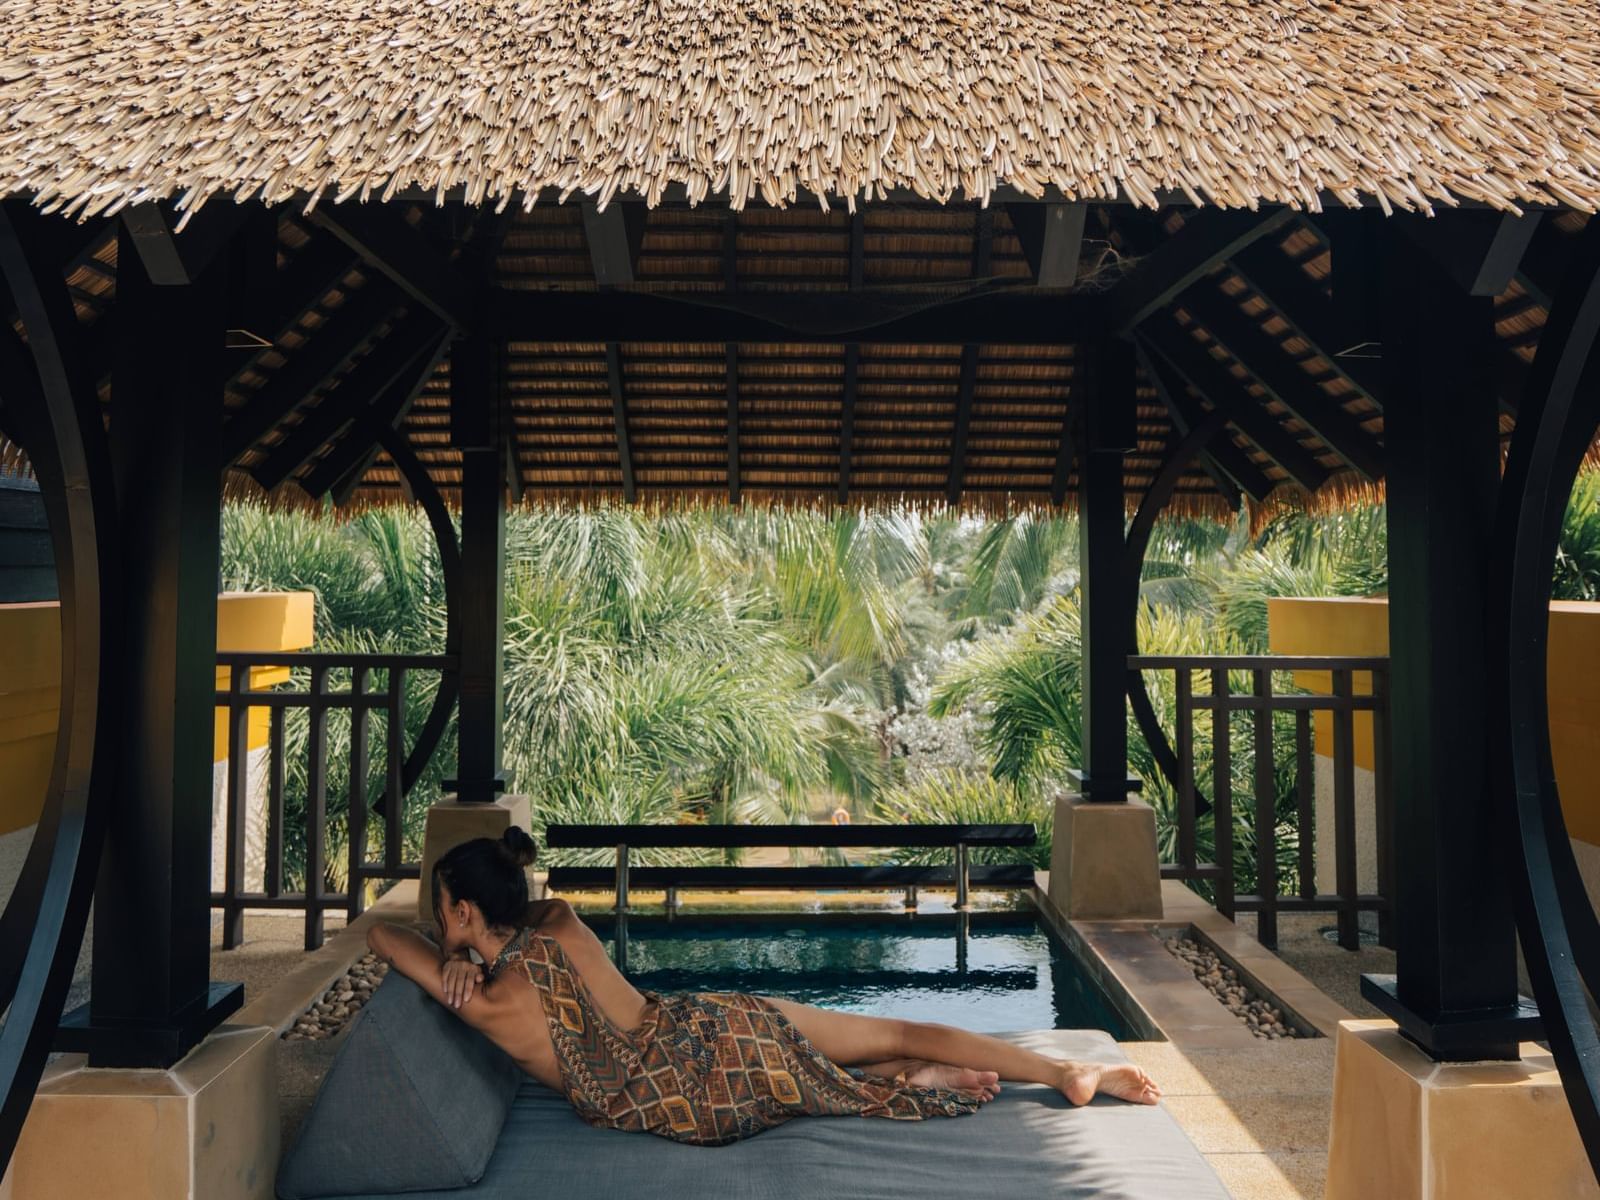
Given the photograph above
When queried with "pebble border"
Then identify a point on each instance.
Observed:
(340, 1003)
(1263, 1018)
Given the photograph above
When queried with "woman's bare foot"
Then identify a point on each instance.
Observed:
(985, 1085)
(1081, 1082)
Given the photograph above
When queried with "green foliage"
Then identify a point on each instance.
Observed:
(1577, 572)
(959, 798)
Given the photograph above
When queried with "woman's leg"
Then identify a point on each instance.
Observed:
(853, 1040)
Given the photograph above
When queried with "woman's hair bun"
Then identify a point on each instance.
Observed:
(518, 845)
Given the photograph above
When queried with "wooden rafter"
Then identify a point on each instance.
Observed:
(967, 382)
(344, 465)
(1300, 302)
(1172, 266)
(170, 259)
(619, 417)
(1009, 317)
(730, 281)
(847, 417)
(1224, 391)
(733, 424)
(384, 241)
(323, 355)
(1263, 357)
(614, 234)
(1229, 467)
(365, 384)
(1480, 252)
(1052, 240)
(1066, 448)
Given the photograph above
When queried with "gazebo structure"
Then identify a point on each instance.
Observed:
(1114, 257)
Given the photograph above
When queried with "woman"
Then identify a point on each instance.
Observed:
(707, 1068)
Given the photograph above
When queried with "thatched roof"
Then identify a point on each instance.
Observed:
(1275, 101)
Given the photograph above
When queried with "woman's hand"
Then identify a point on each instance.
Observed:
(459, 977)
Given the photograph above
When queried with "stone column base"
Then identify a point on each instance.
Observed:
(1103, 860)
(206, 1127)
(451, 822)
(1408, 1128)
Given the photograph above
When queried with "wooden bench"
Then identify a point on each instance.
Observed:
(628, 837)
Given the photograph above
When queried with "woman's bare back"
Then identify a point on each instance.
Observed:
(514, 1017)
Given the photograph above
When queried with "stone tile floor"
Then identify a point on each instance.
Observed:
(1259, 1115)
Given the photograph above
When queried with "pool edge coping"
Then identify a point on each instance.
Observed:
(1159, 996)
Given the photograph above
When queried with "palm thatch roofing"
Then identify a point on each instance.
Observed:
(561, 157)
(1236, 104)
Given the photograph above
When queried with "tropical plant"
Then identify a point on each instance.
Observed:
(961, 798)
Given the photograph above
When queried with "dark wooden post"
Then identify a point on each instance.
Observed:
(1455, 993)
(477, 430)
(1108, 433)
(151, 995)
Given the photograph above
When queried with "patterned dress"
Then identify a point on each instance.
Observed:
(707, 1068)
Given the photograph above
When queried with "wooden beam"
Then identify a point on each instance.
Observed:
(1229, 467)
(1300, 302)
(1355, 278)
(847, 418)
(1479, 252)
(963, 423)
(1284, 381)
(1007, 317)
(614, 235)
(172, 260)
(1212, 380)
(322, 356)
(858, 250)
(343, 467)
(1172, 266)
(384, 241)
(514, 483)
(1052, 240)
(1065, 448)
(733, 424)
(364, 385)
(1344, 329)
(983, 243)
(619, 416)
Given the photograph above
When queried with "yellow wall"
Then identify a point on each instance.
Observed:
(1361, 626)
(30, 683)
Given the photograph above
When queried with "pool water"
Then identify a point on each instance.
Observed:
(984, 971)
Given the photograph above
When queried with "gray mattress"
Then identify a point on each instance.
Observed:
(1028, 1142)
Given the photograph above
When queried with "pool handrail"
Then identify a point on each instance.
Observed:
(725, 836)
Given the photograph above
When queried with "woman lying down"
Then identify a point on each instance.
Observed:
(706, 1068)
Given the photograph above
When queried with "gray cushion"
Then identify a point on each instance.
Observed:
(1028, 1142)
(414, 1100)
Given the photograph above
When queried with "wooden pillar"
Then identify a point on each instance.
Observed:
(1108, 433)
(1455, 992)
(151, 995)
(477, 428)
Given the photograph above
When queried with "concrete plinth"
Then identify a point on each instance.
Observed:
(207, 1127)
(1408, 1128)
(450, 822)
(1103, 861)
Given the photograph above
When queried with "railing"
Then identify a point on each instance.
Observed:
(376, 683)
(1261, 702)
(626, 837)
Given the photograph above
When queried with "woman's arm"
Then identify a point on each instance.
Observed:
(420, 961)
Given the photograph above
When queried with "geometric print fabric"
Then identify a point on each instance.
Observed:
(705, 1068)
